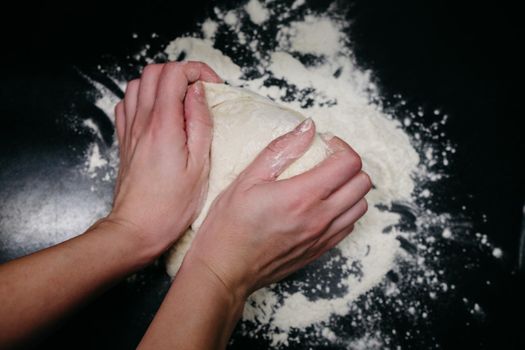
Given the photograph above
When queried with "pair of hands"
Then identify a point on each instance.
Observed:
(260, 229)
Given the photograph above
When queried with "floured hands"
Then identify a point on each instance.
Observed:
(164, 131)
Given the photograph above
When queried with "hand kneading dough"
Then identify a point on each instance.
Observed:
(244, 123)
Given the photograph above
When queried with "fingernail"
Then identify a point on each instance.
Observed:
(327, 136)
(304, 126)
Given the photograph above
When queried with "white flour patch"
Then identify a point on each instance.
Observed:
(209, 28)
(94, 160)
(497, 253)
(256, 11)
(313, 35)
(393, 259)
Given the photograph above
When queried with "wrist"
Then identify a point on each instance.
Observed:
(156, 235)
(196, 267)
(128, 238)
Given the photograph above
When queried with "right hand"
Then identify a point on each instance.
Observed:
(260, 229)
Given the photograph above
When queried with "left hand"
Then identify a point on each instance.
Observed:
(164, 132)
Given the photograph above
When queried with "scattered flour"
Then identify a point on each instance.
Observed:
(446, 233)
(256, 11)
(209, 28)
(497, 253)
(303, 61)
(297, 4)
(386, 150)
(231, 18)
(313, 35)
(95, 160)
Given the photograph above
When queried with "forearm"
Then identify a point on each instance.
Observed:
(197, 313)
(40, 289)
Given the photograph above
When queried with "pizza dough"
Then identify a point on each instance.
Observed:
(244, 123)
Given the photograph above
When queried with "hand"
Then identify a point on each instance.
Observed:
(259, 230)
(164, 132)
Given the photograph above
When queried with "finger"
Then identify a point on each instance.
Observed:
(199, 125)
(341, 222)
(310, 255)
(176, 76)
(333, 172)
(350, 193)
(173, 85)
(348, 217)
(281, 152)
(149, 82)
(120, 123)
(130, 104)
(325, 246)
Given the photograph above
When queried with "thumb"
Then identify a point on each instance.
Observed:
(282, 152)
(199, 125)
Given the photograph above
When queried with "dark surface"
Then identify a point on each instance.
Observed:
(458, 58)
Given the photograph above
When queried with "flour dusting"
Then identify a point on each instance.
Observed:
(393, 263)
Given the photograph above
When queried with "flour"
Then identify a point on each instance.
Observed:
(313, 35)
(95, 160)
(393, 259)
(256, 11)
(209, 28)
(231, 18)
(497, 253)
(195, 49)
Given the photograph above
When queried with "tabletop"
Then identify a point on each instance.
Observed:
(458, 58)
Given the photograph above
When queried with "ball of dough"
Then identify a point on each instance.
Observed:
(244, 123)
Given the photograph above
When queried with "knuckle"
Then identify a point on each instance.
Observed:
(348, 161)
(189, 68)
(317, 224)
(203, 70)
(324, 191)
(299, 210)
(352, 161)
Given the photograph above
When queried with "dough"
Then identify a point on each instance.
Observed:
(244, 124)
